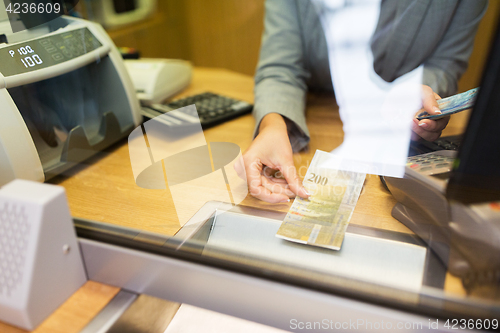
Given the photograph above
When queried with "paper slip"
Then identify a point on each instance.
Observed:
(322, 219)
(376, 114)
(191, 319)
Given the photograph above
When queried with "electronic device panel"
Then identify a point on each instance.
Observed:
(46, 51)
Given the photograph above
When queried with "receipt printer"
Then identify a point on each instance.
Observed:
(64, 95)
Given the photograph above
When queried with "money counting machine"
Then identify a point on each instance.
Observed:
(64, 95)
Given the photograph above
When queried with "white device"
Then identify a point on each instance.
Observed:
(464, 236)
(158, 79)
(64, 95)
(113, 13)
(40, 259)
(4, 17)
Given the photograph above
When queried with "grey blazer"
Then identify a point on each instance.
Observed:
(293, 58)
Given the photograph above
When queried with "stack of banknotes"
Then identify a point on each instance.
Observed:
(322, 219)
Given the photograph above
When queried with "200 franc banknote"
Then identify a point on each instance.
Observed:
(322, 219)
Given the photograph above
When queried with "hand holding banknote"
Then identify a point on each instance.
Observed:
(271, 151)
(429, 129)
(322, 219)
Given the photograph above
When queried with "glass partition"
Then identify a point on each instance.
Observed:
(382, 261)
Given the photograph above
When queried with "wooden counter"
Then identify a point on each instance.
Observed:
(103, 189)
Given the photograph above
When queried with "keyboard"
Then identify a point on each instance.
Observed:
(445, 143)
(432, 163)
(213, 109)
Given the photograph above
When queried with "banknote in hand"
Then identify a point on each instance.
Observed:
(453, 104)
(322, 219)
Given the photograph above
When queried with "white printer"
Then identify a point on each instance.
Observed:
(64, 95)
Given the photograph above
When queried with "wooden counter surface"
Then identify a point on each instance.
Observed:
(103, 188)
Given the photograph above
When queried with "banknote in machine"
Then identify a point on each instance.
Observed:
(322, 219)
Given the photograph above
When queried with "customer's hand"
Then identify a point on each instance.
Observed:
(429, 129)
(270, 172)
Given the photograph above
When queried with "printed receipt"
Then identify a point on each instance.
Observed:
(376, 114)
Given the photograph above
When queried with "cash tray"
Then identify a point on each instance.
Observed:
(247, 235)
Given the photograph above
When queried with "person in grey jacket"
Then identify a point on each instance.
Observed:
(294, 58)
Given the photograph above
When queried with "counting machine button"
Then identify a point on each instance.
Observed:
(442, 165)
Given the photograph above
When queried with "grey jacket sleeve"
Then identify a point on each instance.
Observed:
(281, 76)
(450, 58)
(280, 79)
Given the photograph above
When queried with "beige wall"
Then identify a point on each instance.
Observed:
(485, 34)
(227, 33)
(212, 33)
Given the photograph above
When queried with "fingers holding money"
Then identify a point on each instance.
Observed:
(261, 188)
(269, 165)
(429, 100)
(428, 129)
(293, 180)
(277, 185)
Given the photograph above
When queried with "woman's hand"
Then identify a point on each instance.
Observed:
(429, 129)
(271, 153)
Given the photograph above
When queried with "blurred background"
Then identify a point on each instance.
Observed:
(227, 33)
(210, 33)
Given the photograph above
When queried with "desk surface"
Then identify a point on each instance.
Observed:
(103, 189)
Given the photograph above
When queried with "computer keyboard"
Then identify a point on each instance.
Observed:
(213, 109)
